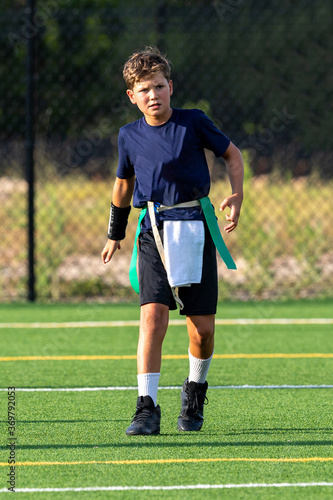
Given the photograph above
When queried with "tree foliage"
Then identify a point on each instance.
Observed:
(264, 67)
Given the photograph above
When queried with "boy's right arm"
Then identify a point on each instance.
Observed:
(121, 198)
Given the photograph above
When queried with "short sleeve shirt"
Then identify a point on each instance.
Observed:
(169, 161)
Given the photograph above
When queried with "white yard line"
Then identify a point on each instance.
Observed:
(171, 387)
(173, 487)
(173, 322)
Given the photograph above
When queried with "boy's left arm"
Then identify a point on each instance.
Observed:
(235, 168)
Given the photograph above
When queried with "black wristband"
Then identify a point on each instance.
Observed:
(118, 222)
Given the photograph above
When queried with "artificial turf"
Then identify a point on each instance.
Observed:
(240, 424)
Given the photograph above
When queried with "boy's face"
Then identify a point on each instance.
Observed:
(152, 96)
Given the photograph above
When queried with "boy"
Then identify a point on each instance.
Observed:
(161, 160)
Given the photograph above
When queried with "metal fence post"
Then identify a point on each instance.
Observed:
(29, 147)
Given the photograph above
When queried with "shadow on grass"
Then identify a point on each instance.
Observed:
(154, 441)
(277, 430)
(85, 421)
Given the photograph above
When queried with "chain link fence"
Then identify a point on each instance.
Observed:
(260, 69)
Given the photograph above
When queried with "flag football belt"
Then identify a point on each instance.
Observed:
(212, 224)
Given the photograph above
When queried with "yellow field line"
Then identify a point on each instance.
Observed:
(166, 356)
(65, 358)
(176, 461)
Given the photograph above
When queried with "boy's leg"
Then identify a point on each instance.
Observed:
(201, 334)
(153, 325)
(154, 319)
(193, 395)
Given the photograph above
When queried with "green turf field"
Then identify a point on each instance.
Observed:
(268, 425)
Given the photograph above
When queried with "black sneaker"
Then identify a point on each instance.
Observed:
(147, 418)
(193, 398)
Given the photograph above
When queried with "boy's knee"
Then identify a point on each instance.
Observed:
(154, 316)
(205, 332)
(201, 328)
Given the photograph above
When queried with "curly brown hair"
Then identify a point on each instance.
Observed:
(143, 65)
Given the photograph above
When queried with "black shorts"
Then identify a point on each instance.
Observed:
(198, 299)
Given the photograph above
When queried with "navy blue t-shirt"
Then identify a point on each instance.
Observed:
(169, 162)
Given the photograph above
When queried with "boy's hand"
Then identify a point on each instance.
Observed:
(110, 247)
(234, 202)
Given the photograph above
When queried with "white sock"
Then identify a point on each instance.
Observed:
(148, 385)
(198, 368)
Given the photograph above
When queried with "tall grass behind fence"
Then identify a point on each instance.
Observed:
(259, 69)
(282, 246)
